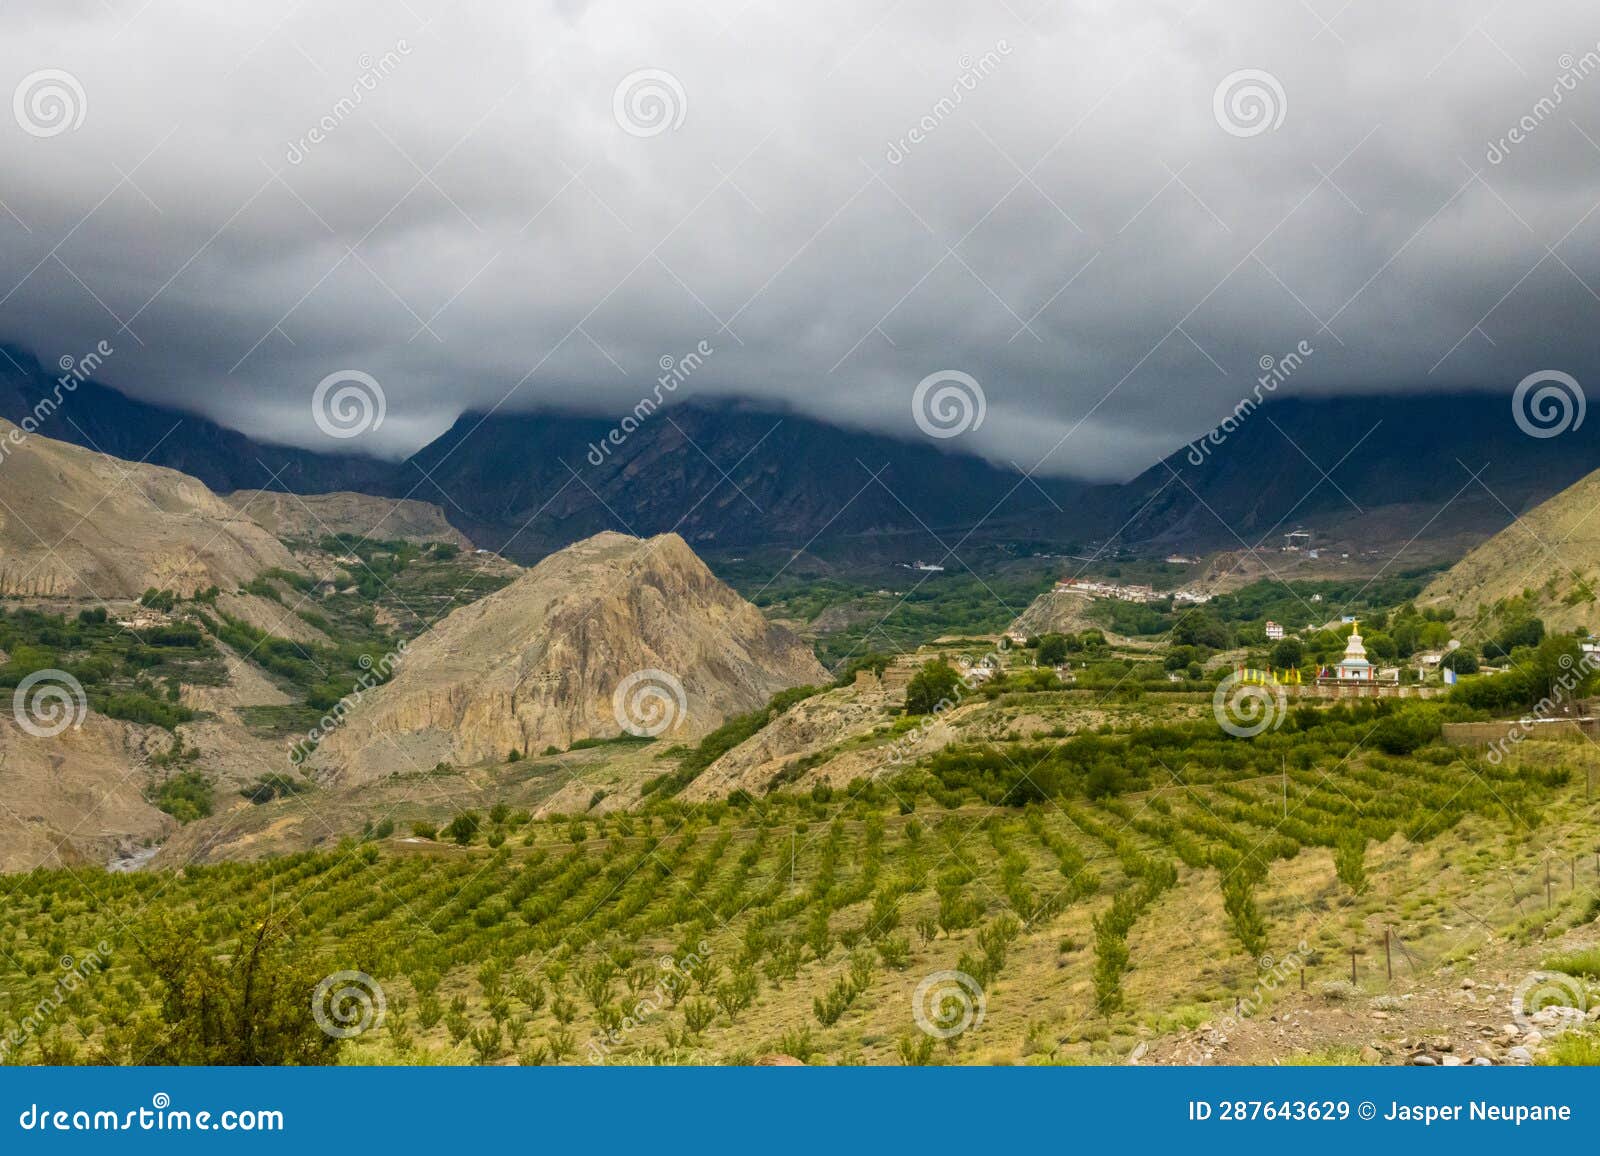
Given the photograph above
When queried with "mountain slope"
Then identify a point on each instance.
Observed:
(100, 418)
(540, 662)
(1408, 459)
(314, 516)
(720, 477)
(1552, 552)
(77, 524)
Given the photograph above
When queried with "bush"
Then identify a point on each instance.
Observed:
(1052, 650)
(273, 786)
(463, 827)
(157, 599)
(186, 796)
(246, 1005)
(1349, 863)
(935, 684)
(1407, 730)
(1290, 652)
(138, 707)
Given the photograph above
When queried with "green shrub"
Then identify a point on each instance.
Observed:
(463, 827)
(186, 796)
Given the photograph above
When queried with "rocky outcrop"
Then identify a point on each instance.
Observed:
(1056, 612)
(611, 632)
(805, 730)
(78, 524)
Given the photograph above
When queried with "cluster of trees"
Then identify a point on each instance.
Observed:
(1388, 637)
(186, 796)
(122, 672)
(1552, 671)
(1054, 649)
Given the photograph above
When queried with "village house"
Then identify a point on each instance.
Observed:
(1136, 593)
(1274, 631)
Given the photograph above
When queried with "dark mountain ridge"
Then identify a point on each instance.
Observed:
(730, 477)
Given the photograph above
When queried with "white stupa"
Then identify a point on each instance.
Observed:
(1354, 664)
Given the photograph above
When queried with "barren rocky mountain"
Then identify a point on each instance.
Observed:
(314, 516)
(613, 629)
(78, 524)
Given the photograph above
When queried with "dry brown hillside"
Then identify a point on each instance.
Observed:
(1058, 612)
(313, 516)
(77, 524)
(541, 662)
(78, 796)
(1552, 551)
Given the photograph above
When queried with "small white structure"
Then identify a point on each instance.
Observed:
(1354, 666)
(1274, 631)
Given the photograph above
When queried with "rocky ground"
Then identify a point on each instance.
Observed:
(1444, 1020)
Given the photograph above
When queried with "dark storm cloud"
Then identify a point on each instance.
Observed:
(856, 196)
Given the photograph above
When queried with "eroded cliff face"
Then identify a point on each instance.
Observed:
(77, 796)
(540, 663)
(78, 524)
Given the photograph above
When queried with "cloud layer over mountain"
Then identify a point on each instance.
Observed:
(1107, 215)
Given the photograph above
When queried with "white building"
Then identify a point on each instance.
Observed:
(1274, 631)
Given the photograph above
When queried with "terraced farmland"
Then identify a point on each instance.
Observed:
(1006, 902)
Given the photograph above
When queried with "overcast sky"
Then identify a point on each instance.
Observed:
(1102, 240)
